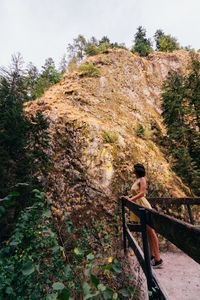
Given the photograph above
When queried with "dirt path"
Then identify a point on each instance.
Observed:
(180, 276)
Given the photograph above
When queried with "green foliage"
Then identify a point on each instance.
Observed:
(32, 264)
(82, 48)
(181, 115)
(91, 49)
(110, 137)
(31, 256)
(141, 43)
(165, 43)
(23, 141)
(47, 78)
(140, 131)
(89, 70)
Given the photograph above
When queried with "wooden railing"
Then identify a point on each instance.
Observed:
(185, 236)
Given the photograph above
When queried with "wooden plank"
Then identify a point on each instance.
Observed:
(177, 201)
(134, 227)
(140, 257)
(162, 292)
(185, 236)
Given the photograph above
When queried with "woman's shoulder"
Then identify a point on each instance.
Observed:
(142, 180)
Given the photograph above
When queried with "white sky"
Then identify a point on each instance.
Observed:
(42, 28)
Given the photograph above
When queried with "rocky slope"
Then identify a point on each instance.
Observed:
(96, 135)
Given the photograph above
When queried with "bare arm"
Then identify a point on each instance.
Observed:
(141, 193)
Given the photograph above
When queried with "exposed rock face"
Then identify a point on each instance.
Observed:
(94, 129)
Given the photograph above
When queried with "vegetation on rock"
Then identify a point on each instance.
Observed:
(181, 115)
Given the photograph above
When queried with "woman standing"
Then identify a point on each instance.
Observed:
(138, 196)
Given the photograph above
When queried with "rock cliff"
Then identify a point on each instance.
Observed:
(101, 125)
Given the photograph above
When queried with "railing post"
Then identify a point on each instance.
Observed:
(190, 214)
(123, 221)
(146, 253)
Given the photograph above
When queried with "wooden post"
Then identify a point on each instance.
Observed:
(190, 214)
(124, 224)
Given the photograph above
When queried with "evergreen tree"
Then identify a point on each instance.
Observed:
(46, 79)
(182, 131)
(142, 44)
(158, 34)
(22, 141)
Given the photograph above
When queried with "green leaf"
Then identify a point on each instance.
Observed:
(65, 214)
(64, 295)
(55, 248)
(70, 226)
(91, 296)
(28, 268)
(20, 184)
(14, 194)
(101, 287)
(115, 296)
(78, 251)
(57, 286)
(51, 297)
(14, 243)
(36, 191)
(46, 213)
(90, 257)
(2, 210)
(9, 290)
(94, 280)
(67, 270)
(116, 267)
(49, 202)
(86, 288)
(87, 272)
(107, 295)
(124, 292)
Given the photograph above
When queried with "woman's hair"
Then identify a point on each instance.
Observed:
(139, 170)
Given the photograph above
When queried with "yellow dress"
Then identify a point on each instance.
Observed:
(135, 189)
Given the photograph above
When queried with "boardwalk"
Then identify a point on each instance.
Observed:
(180, 276)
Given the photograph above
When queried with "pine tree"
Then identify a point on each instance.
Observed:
(183, 135)
(22, 141)
(142, 44)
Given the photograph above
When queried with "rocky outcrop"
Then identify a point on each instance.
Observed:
(100, 126)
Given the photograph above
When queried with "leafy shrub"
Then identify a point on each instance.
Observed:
(33, 264)
(167, 44)
(91, 49)
(140, 130)
(110, 137)
(89, 70)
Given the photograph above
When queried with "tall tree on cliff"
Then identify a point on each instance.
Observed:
(141, 43)
(180, 113)
(165, 43)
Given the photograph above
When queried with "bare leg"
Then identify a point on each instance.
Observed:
(153, 243)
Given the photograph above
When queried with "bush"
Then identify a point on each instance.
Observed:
(89, 70)
(167, 44)
(140, 131)
(110, 137)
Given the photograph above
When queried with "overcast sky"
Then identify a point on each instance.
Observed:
(42, 28)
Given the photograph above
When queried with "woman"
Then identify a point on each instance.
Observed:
(138, 196)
